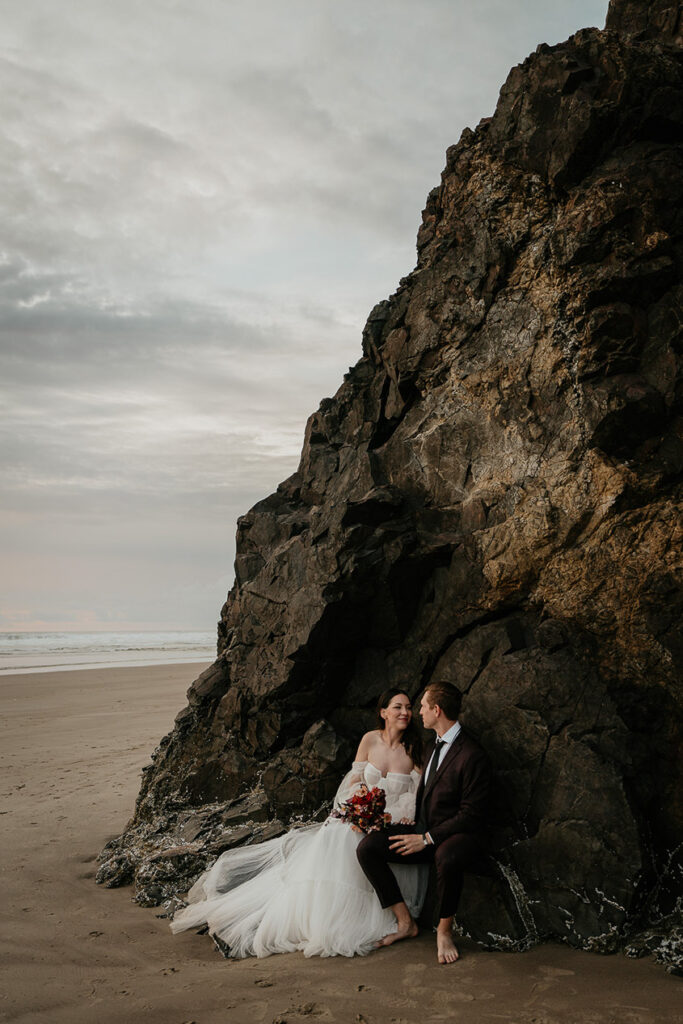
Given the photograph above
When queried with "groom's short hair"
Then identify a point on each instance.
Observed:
(447, 696)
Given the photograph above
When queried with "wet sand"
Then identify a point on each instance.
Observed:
(72, 748)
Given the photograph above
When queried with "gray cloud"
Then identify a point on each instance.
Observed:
(201, 204)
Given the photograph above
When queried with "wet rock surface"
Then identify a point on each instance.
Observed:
(164, 857)
(493, 496)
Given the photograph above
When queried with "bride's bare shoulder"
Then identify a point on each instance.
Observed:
(366, 744)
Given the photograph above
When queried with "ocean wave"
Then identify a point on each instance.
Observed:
(45, 651)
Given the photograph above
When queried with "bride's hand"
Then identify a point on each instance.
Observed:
(406, 821)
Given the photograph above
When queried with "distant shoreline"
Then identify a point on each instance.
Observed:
(71, 666)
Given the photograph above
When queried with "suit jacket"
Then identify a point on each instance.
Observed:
(457, 799)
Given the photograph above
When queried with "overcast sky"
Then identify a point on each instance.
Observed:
(202, 201)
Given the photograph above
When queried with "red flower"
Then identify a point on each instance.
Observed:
(364, 811)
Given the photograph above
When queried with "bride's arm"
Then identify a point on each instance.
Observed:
(353, 780)
(402, 806)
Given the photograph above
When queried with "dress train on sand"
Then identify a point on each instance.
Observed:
(305, 890)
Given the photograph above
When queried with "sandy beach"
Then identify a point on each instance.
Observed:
(73, 746)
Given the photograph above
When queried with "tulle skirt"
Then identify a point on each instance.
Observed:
(302, 891)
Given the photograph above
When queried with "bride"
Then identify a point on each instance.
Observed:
(305, 890)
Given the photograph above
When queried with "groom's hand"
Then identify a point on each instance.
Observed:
(404, 845)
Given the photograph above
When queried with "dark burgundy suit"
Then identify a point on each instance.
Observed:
(454, 810)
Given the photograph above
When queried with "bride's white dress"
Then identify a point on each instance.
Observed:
(305, 890)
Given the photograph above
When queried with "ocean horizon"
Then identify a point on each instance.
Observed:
(53, 651)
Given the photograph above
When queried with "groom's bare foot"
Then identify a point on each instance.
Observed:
(446, 950)
(404, 931)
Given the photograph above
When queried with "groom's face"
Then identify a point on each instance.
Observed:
(427, 713)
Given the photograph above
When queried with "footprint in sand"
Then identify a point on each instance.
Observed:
(307, 1011)
(551, 976)
(403, 1003)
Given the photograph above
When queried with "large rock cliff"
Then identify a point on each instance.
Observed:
(493, 496)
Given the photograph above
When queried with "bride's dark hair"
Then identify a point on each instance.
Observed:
(411, 738)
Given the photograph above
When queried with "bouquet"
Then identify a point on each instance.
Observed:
(364, 812)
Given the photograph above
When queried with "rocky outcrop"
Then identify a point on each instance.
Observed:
(493, 496)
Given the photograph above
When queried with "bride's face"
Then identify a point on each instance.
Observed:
(398, 712)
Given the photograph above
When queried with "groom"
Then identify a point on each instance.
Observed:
(450, 828)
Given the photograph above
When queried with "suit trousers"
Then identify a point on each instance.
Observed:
(451, 859)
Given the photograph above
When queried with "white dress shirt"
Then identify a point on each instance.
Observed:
(446, 741)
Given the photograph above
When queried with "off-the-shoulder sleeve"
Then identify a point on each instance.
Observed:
(401, 804)
(350, 783)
